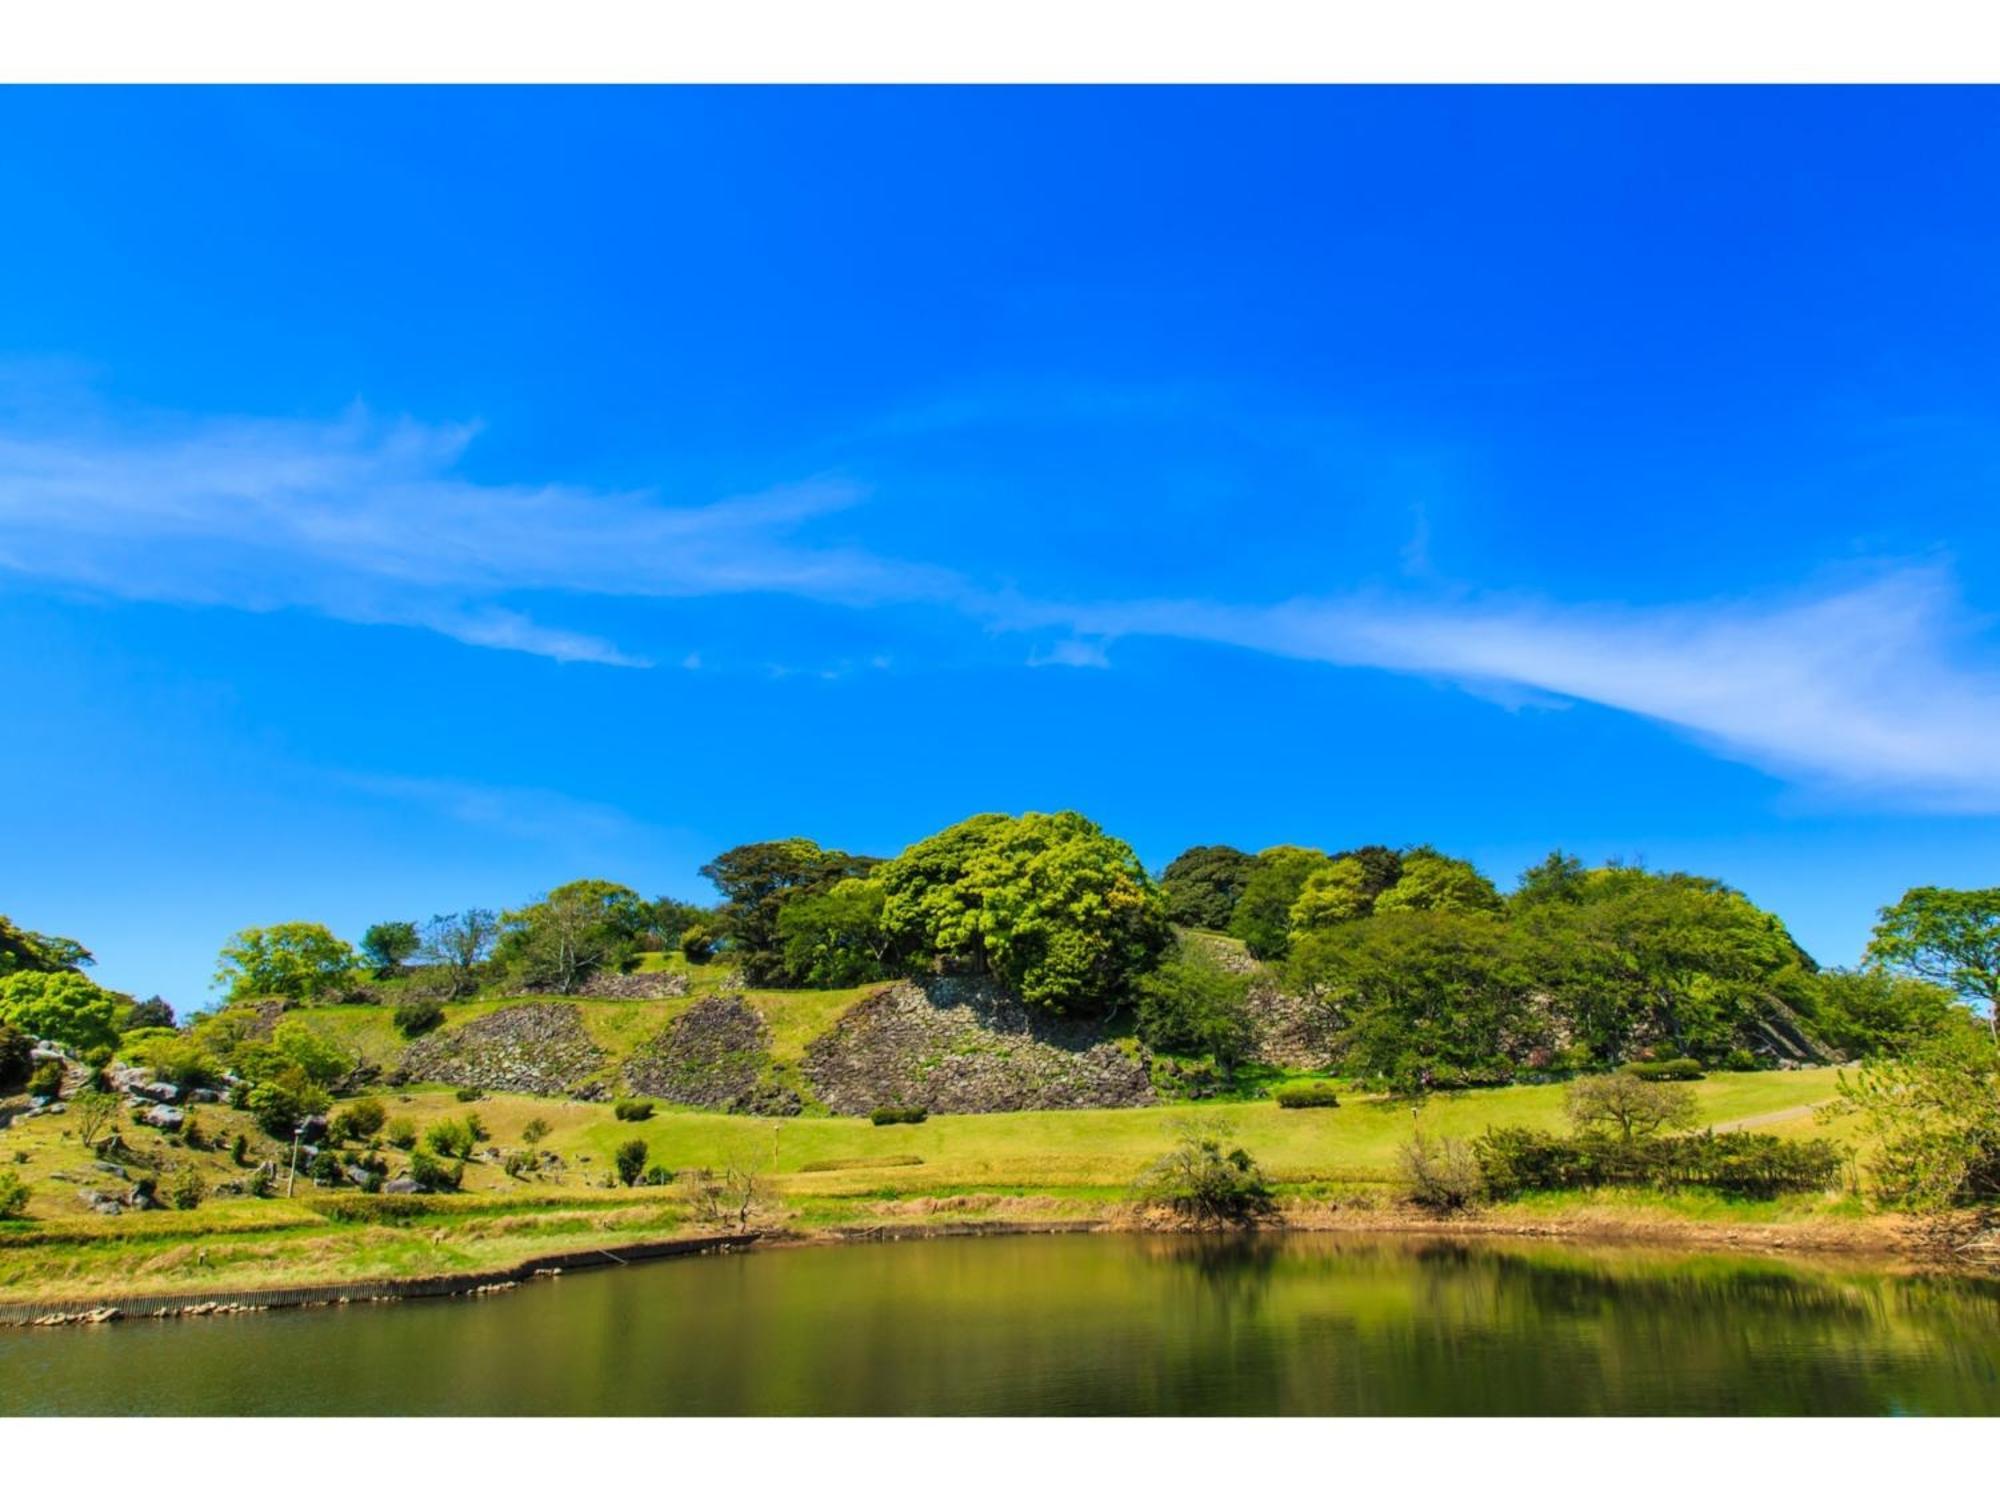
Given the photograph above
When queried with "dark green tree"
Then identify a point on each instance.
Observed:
(835, 937)
(22, 951)
(1192, 1004)
(756, 881)
(1203, 884)
(577, 930)
(389, 945)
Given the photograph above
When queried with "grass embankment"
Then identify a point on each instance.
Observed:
(1335, 1167)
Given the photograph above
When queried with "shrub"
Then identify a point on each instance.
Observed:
(658, 1176)
(1742, 1060)
(433, 1175)
(359, 1121)
(13, 1195)
(898, 1114)
(1310, 1095)
(46, 1081)
(453, 1137)
(401, 1134)
(415, 1017)
(633, 1109)
(325, 1170)
(1440, 1175)
(372, 1210)
(535, 1131)
(187, 1188)
(1673, 1070)
(518, 1163)
(281, 1104)
(468, 1094)
(239, 1150)
(1201, 1181)
(630, 1161)
(1515, 1159)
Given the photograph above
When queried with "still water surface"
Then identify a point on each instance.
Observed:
(1102, 1324)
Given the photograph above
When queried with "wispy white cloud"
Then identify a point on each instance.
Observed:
(1882, 685)
(1874, 686)
(527, 814)
(375, 522)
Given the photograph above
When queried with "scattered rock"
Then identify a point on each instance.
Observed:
(628, 987)
(524, 1049)
(164, 1117)
(963, 1046)
(401, 1186)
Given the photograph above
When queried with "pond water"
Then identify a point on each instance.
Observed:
(1098, 1324)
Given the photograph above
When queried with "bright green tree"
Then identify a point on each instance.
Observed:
(1434, 882)
(293, 960)
(757, 881)
(835, 938)
(1048, 903)
(1950, 937)
(1263, 916)
(63, 1007)
(1336, 893)
(37, 952)
(577, 930)
(1878, 1012)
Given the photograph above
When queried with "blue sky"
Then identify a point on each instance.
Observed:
(415, 499)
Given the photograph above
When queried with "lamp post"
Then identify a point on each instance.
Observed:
(298, 1135)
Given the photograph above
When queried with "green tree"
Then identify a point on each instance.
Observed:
(1336, 893)
(630, 1160)
(22, 951)
(61, 1006)
(1424, 994)
(1877, 1012)
(1629, 1105)
(1434, 882)
(757, 881)
(1203, 884)
(292, 960)
(390, 945)
(1048, 903)
(1263, 916)
(579, 929)
(835, 938)
(1205, 1180)
(144, 1015)
(17, 1059)
(1950, 937)
(1381, 866)
(1191, 1004)
(457, 945)
(1934, 1117)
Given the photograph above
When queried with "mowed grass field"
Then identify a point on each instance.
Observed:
(816, 1171)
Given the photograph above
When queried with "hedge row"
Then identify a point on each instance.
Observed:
(1759, 1166)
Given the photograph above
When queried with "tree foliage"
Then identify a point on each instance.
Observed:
(1950, 937)
(1202, 885)
(61, 1006)
(577, 930)
(1191, 1004)
(1878, 1012)
(1435, 882)
(390, 945)
(834, 938)
(456, 946)
(1205, 1180)
(293, 960)
(1047, 903)
(757, 881)
(1628, 1105)
(1934, 1118)
(1263, 916)
(22, 951)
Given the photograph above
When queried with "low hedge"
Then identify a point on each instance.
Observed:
(897, 1114)
(1515, 1159)
(1312, 1095)
(1679, 1070)
(633, 1109)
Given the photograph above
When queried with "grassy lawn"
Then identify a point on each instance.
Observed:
(1068, 1163)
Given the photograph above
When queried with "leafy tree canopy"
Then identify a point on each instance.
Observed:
(1263, 916)
(1049, 903)
(835, 938)
(1192, 1004)
(1334, 893)
(294, 960)
(1203, 884)
(1877, 1012)
(22, 951)
(1951, 937)
(756, 881)
(1431, 881)
(577, 930)
(61, 1006)
(390, 945)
